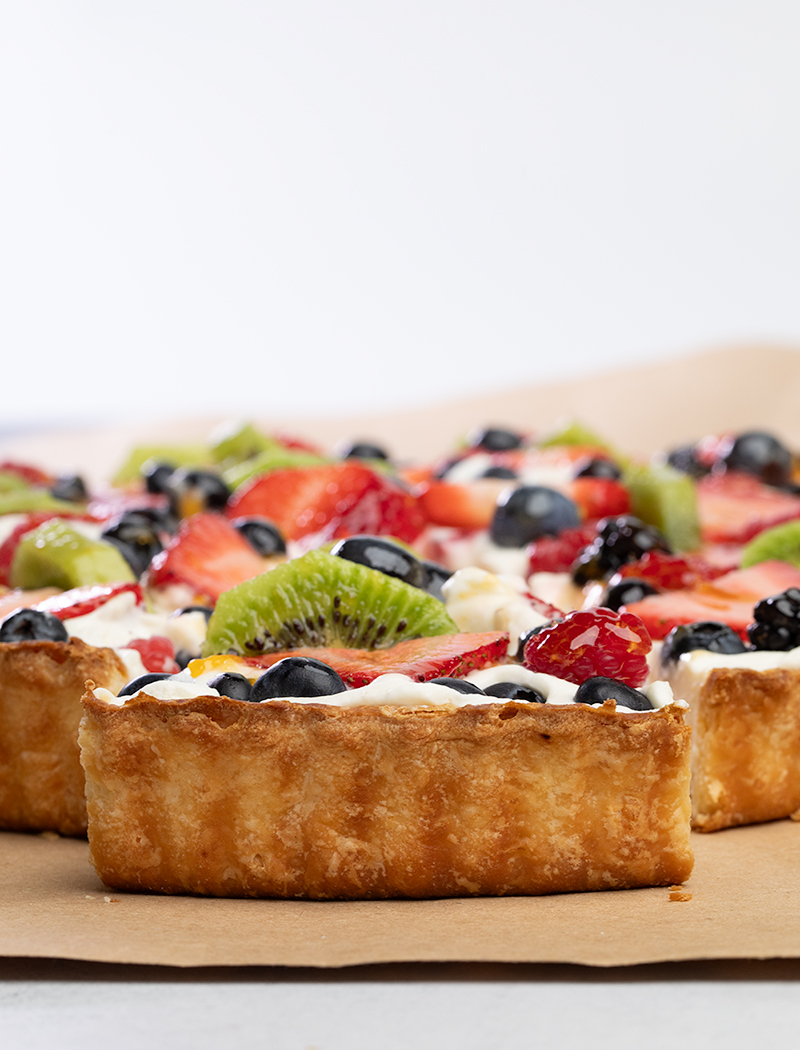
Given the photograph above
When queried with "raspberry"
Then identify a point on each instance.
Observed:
(157, 653)
(670, 572)
(594, 642)
(557, 553)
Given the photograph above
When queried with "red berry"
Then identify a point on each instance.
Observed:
(557, 553)
(670, 572)
(157, 653)
(594, 642)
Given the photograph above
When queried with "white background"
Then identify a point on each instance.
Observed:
(301, 207)
(304, 207)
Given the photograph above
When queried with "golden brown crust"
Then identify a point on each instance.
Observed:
(221, 797)
(41, 685)
(746, 755)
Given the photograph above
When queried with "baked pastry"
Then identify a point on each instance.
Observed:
(414, 797)
(41, 685)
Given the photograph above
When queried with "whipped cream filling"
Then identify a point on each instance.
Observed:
(121, 620)
(478, 601)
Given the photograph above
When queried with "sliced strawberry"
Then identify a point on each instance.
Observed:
(82, 600)
(290, 441)
(557, 553)
(14, 600)
(422, 659)
(728, 599)
(157, 653)
(8, 548)
(340, 499)
(600, 498)
(32, 475)
(671, 572)
(469, 506)
(208, 554)
(733, 508)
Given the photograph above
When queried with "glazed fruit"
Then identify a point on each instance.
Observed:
(434, 576)
(263, 536)
(70, 487)
(558, 553)
(139, 683)
(461, 506)
(527, 513)
(781, 542)
(503, 473)
(618, 540)
(598, 468)
(382, 555)
(600, 498)
(494, 439)
(515, 691)
(586, 644)
(762, 455)
(777, 622)
(459, 685)
(626, 592)
(80, 601)
(194, 491)
(666, 499)
(321, 600)
(450, 655)
(233, 685)
(157, 653)
(157, 477)
(671, 572)
(685, 460)
(32, 625)
(362, 450)
(136, 540)
(56, 555)
(734, 508)
(595, 691)
(297, 676)
(711, 635)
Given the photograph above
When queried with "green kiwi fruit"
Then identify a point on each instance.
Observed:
(176, 455)
(277, 458)
(320, 600)
(236, 442)
(56, 555)
(781, 542)
(30, 500)
(10, 481)
(666, 498)
(575, 434)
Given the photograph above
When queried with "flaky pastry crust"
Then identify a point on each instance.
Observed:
(41, 685)
(746, 752)
(222, 797)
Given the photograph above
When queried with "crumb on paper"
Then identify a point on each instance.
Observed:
(89, 897)
(51, 836)
(678, 895)
(795, 815)
(111, 900)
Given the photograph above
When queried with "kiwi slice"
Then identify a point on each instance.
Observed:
(235, 442)
(176, 455)
(781, 542)
(12, 482)
(28, 501)
(575, 434)
(320, 600)
(56, 555)
(666, 498)
(277, 458)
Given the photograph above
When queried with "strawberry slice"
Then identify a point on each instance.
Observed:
(327, 501)
(557, 553)
(208, 554)
(462, 506)
(82, 600)
(671, 572)
(422, 659)
(600, 498)
(733, 508)
(32, 475)
(728, 599)
(157, 653)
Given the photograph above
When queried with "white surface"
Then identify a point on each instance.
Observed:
(721, 1006)
(305, 206)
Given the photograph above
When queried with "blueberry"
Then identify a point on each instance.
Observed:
(159, 519)
(191, 491)
(505, 473)
(705, 634)
(515, 691)
(139, 683)
(136, 540)
(626, 592)
(494, 439)
(685, 460)
(263, 536)
(777, 622)
(526, 636)
(435, 576)
(382, 555)
(183, 658)
(527, 513)
(363, 450)
(297, 676)
(595, 691)
(619, 540)
(70, 487)
(206, 610)
(31, 625)
(761, 454)
(233, 685)
(157, 476)
(599, 468)
(457, 684)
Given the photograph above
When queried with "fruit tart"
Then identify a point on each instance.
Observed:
(341, 740)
